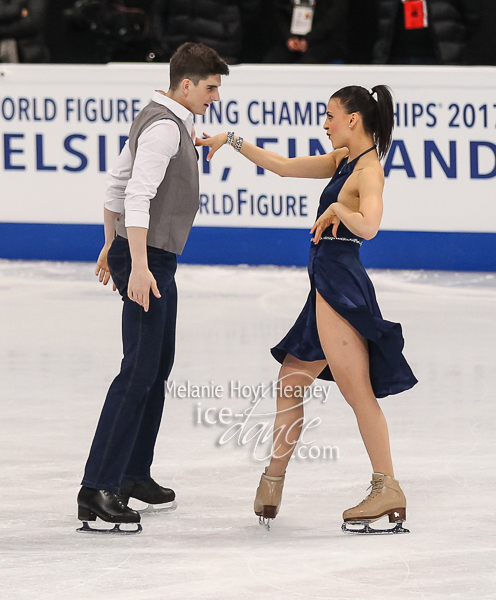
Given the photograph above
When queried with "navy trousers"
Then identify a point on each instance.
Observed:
(127, 430)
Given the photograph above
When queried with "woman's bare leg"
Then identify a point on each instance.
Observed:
(294, 378)
(348, 358)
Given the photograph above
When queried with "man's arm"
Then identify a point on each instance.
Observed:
(102, 270)
(117, 178)
(141, 280)
(156, 146)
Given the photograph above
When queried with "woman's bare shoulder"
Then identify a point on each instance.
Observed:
(339, 154)
(371, 175)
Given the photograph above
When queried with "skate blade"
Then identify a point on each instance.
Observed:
(116, 530)
(398, 528)
(158, 509)
(265, 522)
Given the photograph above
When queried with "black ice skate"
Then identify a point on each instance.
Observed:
(158, 498)
(109, 507)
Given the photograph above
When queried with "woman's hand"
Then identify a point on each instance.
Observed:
(325, 220)
(102, 270)
(215, 142)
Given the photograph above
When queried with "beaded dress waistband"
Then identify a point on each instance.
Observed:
(342, 239)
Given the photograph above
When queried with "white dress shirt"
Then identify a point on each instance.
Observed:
(131, 188)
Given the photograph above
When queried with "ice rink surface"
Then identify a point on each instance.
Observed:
(60, 349)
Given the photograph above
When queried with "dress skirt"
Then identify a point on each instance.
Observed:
(336, 271)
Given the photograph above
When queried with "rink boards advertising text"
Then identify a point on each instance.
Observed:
(62, 127)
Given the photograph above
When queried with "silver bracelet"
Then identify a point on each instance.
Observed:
(238, 144)
(230, 138)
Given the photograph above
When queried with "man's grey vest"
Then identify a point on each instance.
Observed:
(173, 209)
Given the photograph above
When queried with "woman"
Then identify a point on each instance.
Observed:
(340, 334)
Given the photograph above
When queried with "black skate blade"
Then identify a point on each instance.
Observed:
(265, 522)
(116, 530)
(367, 530)
(157, 509)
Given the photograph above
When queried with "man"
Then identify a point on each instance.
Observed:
(22, 23)
(325, 42)
(226, 26)
(482, 47)
(443, 41)
(152, 199)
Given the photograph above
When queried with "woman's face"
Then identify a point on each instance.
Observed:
(337, 124)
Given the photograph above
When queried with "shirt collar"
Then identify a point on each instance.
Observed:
(178, 109)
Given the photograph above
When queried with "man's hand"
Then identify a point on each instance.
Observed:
(141, 281)
(303, 46)
(296, 44)
(102, 271)
(293, 44)
(326, 219)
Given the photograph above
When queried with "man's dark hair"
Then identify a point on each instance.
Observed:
(195, 62)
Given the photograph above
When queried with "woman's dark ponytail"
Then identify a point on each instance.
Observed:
(383, 131)
(376, 108)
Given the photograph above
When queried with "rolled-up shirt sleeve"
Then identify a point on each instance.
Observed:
(156, 146)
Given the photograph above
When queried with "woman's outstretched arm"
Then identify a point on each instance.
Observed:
(313, 167)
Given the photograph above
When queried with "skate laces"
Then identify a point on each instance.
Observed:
(376, 485)
(116, 497)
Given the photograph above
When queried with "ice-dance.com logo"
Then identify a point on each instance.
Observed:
(273, 424)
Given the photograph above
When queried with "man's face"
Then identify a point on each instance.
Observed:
(200, 97)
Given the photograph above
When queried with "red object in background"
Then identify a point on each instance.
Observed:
(415, 14)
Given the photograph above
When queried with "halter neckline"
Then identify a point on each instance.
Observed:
(348, 167)
(363, 153)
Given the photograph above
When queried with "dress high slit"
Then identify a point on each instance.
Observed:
(337, 273)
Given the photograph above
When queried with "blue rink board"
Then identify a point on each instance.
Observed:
(284, 247)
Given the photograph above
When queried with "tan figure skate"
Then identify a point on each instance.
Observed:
(268, 498)
(386, 498)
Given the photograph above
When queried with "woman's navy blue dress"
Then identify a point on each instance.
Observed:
(336, 271)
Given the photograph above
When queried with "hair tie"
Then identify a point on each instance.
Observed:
(372, 92)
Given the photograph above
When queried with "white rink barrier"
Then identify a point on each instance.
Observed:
(62, 126)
